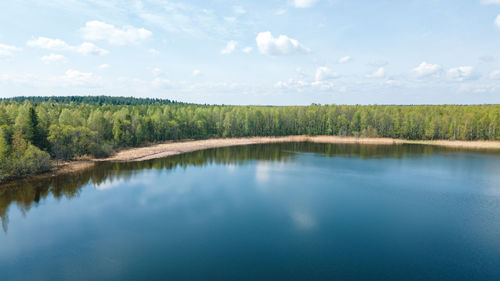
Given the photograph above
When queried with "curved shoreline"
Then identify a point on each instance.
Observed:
(174, 148)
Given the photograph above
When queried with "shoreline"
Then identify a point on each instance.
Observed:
(173, 148)
(166, 149)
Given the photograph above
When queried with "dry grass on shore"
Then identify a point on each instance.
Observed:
(173, 148)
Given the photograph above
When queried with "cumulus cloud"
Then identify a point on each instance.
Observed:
(98, 30)
(477, 89)
(304, 3)
(154, 52)
(345, 59)
(7, 50)
(230, 47)
(426, 69)
(86, 48)
(104, 66)
(280, 12)
(247, 50)
(460, 73)
(325, 73)
(497, 21)
(196, 72)
(159, 82)
(239, 10)
(328, 86)
(157, 71)
(300, 85)
(297, 85)
(379, 73)
(392, 82)
(48, 43)
(54, 58)
(76, 77)
(276, 46)
(495, 75)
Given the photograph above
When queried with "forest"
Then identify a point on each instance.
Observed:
(36, 131)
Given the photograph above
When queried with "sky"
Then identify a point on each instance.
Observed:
(274, 52)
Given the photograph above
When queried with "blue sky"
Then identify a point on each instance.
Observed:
(254, 52)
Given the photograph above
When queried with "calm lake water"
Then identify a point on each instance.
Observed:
(263, 212)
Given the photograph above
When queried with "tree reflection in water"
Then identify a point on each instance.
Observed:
(27, 193)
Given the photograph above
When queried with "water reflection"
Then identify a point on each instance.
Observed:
(27, 194)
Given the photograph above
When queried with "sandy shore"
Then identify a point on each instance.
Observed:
(173, 148)
(71, 166)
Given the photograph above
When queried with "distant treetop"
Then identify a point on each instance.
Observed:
(94, 100)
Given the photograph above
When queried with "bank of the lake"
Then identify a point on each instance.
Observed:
(161, 150)
(173, 148)
(277, 211)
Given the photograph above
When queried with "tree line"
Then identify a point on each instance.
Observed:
(96, 100)
(34, 132)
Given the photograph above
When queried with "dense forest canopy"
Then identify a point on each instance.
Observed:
(34, 131)
(96, 100)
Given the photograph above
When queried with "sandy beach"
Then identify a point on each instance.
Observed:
(173, 148)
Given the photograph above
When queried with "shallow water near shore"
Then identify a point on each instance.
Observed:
(289, 211)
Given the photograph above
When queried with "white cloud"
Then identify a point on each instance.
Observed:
(282, 45)
(392, 82)
(327, 86)
(301, 85)
(345, 59)
(85, 48)
(230, 19)
(297, 85)
(230, 47)
(239, 10)
(183, 17)
(196, 72)
(6, 50)
(157, 71)
(98, 30)
(379, 73)
(247, 50)
(104, 66)
(77, 77)
(280, 12)
(325, 73)
(154, 52)
(162, 83)
(426, 69)
(497, 21)
(48, 43)
(495, 75)
(54, 58)
(490, 2)
(460, 73)
(477, 89)
(304, 3)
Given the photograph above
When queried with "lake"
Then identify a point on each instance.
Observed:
(295, 211)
